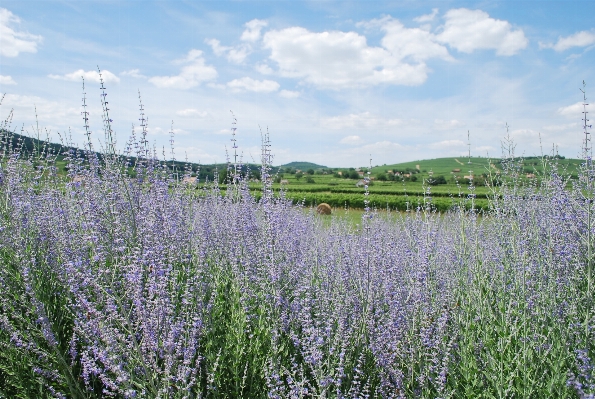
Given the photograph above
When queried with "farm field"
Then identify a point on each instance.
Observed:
(396, 187)
(401, 193)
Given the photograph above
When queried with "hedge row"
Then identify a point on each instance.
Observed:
(393, 202)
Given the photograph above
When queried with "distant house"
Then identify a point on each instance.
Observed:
(284, 181)
(189, 180)
(361, 174)
(530, 176)
(468, 177)
(360, 183)
(456, 170)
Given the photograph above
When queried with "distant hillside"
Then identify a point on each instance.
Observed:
(478, 165)
(303, 165)
(28, 145)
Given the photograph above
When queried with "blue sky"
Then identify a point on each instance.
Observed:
(334, 82)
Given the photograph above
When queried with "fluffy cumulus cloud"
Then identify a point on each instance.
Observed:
(53, 115)
(191, 113)
(575, 110)
(253, 28)
(12, 41)
(133, 73)
(364, 120)
(192, 74)
(408, 44)
(92, 76)
(253, 85)
(289, 94)
(338, 60)
(449, 145)
(442, 124)
(469, 30)
(579, 39)
(427, 17)
(7, 80)
(352, 140)
(236, 54)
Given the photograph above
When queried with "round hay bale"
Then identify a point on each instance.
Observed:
(323, 209)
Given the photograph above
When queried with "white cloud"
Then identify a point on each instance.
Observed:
(470, 30)
(483, 150)
(191, 112)
(447, 124)
(253, 28)
(427, 17)
(134, 73)
(289, 94)
(579, 39)
(218, 49)
(363, 120)
(92, 76)
(351, 140)
(159, 131)
(531, 135)
(218, 86)
(237, 54)
(7, 80)
(562, 127)
(381, 147)
(190, 75)
(264, 69)
(193, 55)
(338, 60)
(575, 110)
(52, 115)
(408, 44)
(448, 145)
(249, 84)
(13, 42)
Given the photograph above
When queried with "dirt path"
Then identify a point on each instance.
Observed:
(459, 162)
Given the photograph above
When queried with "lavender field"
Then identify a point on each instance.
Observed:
(142, 286)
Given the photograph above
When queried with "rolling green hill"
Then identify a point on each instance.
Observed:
(478, 165)
(303, 165)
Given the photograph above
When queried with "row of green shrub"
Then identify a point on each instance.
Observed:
(392, 202)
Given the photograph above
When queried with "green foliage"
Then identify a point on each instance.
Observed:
(434, 181)
(237, 343)
(28, 344)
